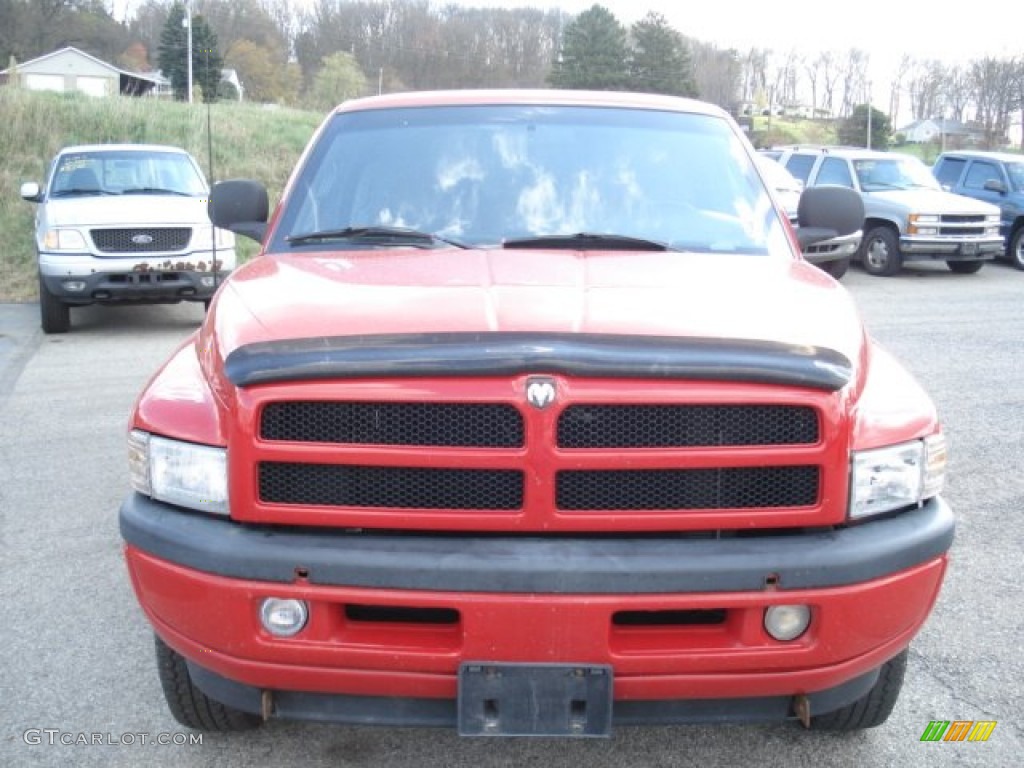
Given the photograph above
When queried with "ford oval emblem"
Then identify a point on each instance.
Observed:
(142, 239)
(540, 391)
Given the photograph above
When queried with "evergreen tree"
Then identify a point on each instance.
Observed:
(173, 58)
(660, 61)
(593, 53)
(172, 55)
(853, 131)
(206, 59)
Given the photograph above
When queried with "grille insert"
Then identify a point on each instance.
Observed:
(678, 426)
(338, 485)
(477, 425)
(647, 489)
(141, 240)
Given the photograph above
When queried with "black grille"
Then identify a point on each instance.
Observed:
(737, 487)
(141, 240)
(676, 426)
(338, 485)
(963, 218)
(960, 231)
(478, 425)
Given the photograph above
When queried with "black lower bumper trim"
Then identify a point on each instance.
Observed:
(547, 565)
(443, 713)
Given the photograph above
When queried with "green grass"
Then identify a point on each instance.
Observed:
(779, 131)
(249, 141)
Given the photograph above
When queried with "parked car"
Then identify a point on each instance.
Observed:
(832, 255)
(529, 420)
(124, 223)
(996, 178)
(908, 216)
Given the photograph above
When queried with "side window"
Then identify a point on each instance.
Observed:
(834, 170)
(979, 173)
(800, 165)
(949, 170)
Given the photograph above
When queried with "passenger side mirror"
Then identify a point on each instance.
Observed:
(826, 212)
(240, 205)
(995, 185)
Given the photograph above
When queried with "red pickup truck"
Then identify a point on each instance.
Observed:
(530, 419)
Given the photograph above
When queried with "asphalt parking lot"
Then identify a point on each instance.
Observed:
(77, 656)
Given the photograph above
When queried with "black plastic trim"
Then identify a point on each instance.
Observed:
(506, 354)
(443, 713)
(543, 564)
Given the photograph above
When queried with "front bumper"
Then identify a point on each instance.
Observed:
(534, 600)
(140, 279)
(837, 248)
(973, 249)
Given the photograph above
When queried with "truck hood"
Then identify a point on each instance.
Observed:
(127, 210)
(927, 201)
(317, 295)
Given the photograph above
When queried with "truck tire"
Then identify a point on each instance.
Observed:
(871, 709)
(880, 252)
(189, 705)
(836, 268)
(1015, 250)
(54, 314)
(965, 267)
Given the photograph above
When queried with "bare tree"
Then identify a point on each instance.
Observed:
(926, 89)
(829, 70)
(854, 80)
(896, 86)
(996, 93)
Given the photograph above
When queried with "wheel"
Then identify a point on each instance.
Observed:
(871, 709)
(54, 314)
(1015, 251)
(965, 267)
(880, 252)
(835, 268)
(189, 705)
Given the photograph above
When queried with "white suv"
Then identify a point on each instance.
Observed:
(124, 223)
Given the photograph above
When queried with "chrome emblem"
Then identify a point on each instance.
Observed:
(142, 239)
(540, 392)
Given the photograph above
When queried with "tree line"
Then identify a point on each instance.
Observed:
(319, 54)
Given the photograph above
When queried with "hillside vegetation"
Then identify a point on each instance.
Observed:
(248, 141)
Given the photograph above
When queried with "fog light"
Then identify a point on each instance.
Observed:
(283, 617)
(207, 281)
(75, 286)
(787, 622)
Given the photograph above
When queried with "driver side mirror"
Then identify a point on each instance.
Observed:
(30, 191)
(240, 205)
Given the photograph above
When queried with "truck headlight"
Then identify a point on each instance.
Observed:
(186, 474)
(884, 479)
(923, 224)
(64, 240)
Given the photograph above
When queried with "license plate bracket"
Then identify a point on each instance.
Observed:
(569, 700)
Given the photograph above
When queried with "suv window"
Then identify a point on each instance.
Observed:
(949, 170)
(800, 165)
(835, 170)
(980, 172)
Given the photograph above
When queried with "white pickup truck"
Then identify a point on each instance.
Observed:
(908, 216)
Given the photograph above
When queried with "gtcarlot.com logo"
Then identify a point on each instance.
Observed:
(56, 737)
(958, 730)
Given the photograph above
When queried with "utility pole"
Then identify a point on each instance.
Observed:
(188, 24)
(870, 110)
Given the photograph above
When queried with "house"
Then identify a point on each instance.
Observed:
(164, 90)
(69, 69)
(939, 129)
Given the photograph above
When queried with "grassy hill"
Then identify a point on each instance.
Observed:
(248, 141)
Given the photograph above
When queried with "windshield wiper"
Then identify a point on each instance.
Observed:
(76, 191)
(589, 241)
(402, 235)
(154, 191)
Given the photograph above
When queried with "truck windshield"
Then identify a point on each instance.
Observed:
(484, 175)
(880, 174)
(126, 172)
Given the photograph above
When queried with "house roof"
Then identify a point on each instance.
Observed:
(82, 53)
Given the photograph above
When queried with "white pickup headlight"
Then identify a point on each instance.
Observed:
(897, 476)
(186, 474)
(64, 240)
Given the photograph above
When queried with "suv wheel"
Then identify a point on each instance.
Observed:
(189, 705)
(965, 267)
(54, 314)
(880, 252)
(871, 709)
(1015, 252)
(836, 268)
